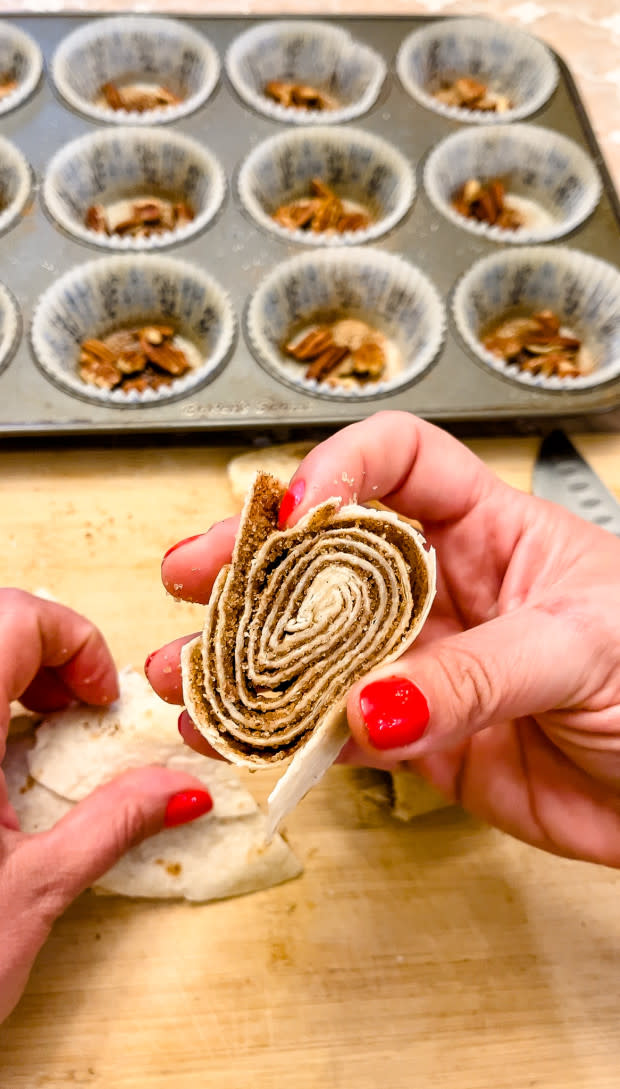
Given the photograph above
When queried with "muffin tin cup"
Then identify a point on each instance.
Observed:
(508, 60)
(582, 290)
(139, 48)
(319, 54)
(110, 293)
(15, 183)
(21, 58)
(382, 289)
(553, 181)
(358, 165)
(112, 164)
(10, 326)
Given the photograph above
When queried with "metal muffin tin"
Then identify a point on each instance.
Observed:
(35, 252)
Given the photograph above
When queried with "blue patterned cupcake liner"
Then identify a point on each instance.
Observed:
(15, 183)
(359, 166)
(111, 293)
(549, 179)
(156, 50)
(509, 61)
(112, 164)
(381, 289)
(21, 59)
(10, 325)
(319, 54)
(582, 290)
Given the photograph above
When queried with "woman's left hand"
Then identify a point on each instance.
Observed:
(49, 657)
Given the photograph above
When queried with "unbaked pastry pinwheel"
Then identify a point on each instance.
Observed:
(294, 620)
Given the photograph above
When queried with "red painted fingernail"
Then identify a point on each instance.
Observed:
(185, 724)
(187, 806)
(180, 544)
(291, 499)
(149, 659)
(395, 712)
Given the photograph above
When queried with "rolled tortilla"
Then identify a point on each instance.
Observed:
(296, 618)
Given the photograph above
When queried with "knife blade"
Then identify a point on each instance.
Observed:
(562, 475)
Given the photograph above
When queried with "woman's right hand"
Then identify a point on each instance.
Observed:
(509, 701)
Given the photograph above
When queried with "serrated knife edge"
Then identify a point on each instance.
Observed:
(563, 476)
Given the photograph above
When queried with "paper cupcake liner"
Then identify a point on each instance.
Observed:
(319, 54)
(359, 166)
(508, 60)
(552, 180)
(15, 183)
(20, 58)
(101, 296)
(112, 164)
(141, 48)
(380, 288)
(10, 326)
(582, 290)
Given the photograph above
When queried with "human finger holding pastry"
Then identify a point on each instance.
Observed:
(508, 700)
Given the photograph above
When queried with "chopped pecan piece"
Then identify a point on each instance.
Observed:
(141, 218)
(8, 84)
(299, 95)
(485, 201)
(139, 358)
(368, 361)
(471, 94)
(171, 360)
(95, 219)
(312, 344)
(297, 215)
(98, 365)
(354, 354)
(322, 211)
(537, 345)
(136, 97)
(112, 96)
(326, 361)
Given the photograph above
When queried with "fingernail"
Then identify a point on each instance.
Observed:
(180, 544)
(184, 724)
(187, 806)
(148, 661)
(395, 712)
(291, 499)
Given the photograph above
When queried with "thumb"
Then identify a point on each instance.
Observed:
(523, 663)
(59, 864)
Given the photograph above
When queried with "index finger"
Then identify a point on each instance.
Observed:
(189, 569)
(36, 634)
(417, 468)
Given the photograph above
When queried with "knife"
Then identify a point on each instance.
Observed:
(562, 475)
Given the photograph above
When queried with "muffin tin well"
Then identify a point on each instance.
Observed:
(46, 261)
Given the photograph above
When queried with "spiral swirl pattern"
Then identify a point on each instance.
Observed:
(297, 618)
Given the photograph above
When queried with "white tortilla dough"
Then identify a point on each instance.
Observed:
(209, 859)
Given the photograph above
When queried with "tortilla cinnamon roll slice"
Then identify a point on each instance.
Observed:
(296, 618)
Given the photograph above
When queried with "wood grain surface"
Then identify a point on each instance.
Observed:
(439, 953)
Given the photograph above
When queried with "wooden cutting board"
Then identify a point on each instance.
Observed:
(439, 953)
